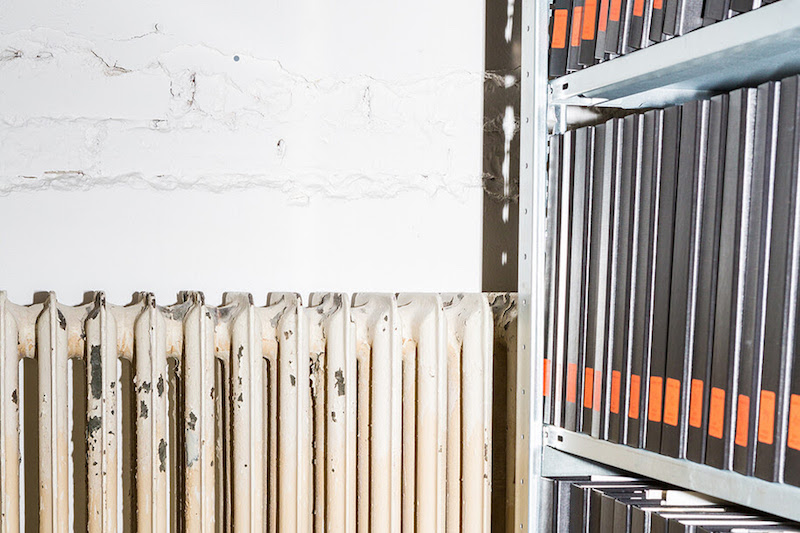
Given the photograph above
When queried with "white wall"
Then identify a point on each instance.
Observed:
(251, 145)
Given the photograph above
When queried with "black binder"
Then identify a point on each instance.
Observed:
(657, 20)
(683, 288)
(551, 255)
(639, 346)
(788, 411)
(602, 30)
(578, 509)
(744, 408)
(575, 143)
(622, 517)
(707, 279)
(639, 15)
(741, 6)
(667, 182)
(714, 11)
(574, 43)
(614, 379)
(600, 240)
(559, 37)
(589, 32)
(671, 8)
(738, 150)
(640, 520)
(616, 13)
(582, 183)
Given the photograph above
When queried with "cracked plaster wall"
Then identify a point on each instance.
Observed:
(252, 145)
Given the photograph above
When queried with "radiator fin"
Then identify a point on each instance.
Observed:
(370, 413)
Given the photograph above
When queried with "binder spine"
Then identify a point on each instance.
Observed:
(612, 170)
(602, 30)
(637, 24)
(572, 161)
(551, 246)
(614, 382)
(778, 449)
(575, 29)
(727, 326)
(598, 267)
(643, 283)
(657, 20)
(747, 367)
(627, 13)
(551, 256)
(574, 144)
(671, 9)
(588, 33)
(741, 6)
(565, 229)
(683, 288)
(579, 255)
(707, 279)
(614, 27)
(559, 37)
(662, 276)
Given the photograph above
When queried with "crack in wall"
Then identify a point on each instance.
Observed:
(212, 118)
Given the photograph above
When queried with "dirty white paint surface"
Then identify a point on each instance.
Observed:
(261, 144)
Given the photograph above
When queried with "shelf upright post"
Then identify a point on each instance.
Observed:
(529, 513)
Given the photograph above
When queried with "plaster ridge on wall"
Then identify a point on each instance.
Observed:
(298, 191)
(150, 111)
(19, 44)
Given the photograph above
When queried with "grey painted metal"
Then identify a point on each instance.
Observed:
(533, 176)
(556, 463)
(501, 99)
(742, 51)
(778, 499)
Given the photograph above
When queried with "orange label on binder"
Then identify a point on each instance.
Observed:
(598, 390)
(742, 420)
(766, 417)
(546, 387)
(616, 381)
(793, 440)
(638, 8)
(615, 10)
(560, 20)
(656, 399)
(658, 4)
(633, 408)
(572, 382)
(696, 404)
(575, 33)
(602, 24)
(716, 412)
(589, 18)
(588, 381)
(672, 399)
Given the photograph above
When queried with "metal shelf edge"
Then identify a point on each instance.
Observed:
(746, 49)
(774, 498)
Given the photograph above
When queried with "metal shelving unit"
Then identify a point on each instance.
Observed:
(774, 498)
(743, 51)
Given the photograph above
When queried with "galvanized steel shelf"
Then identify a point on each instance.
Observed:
(775, 498)
(745, 50)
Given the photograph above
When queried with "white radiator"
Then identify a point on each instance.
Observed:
(370, 414)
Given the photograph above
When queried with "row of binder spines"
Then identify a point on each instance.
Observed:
(754, 416)
(586, 32)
